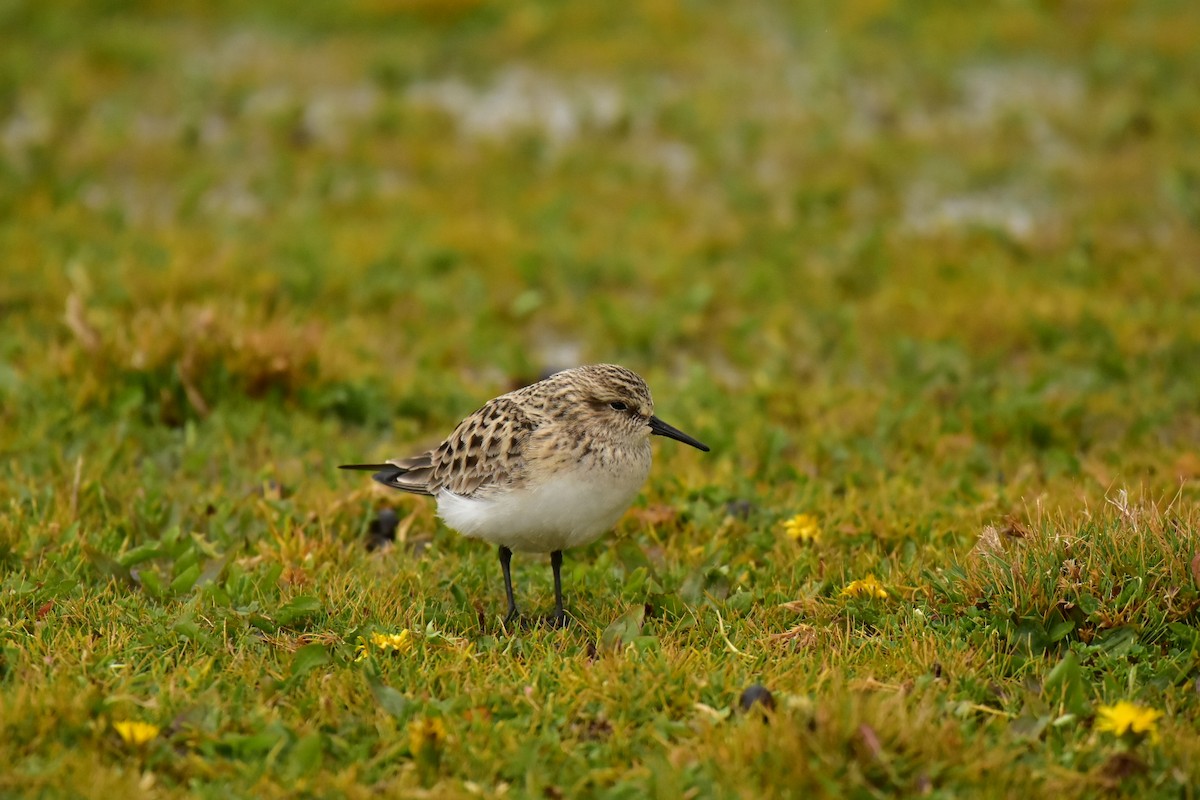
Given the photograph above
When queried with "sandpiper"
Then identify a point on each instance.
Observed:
(543, 468)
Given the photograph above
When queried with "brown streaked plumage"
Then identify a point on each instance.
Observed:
(546, 467)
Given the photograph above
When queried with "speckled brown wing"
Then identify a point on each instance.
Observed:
(484, 453)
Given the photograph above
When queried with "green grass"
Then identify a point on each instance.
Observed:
(927, 274)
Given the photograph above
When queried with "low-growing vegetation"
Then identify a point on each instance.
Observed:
(926, 278)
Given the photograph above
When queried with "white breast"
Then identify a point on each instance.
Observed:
(570, 509)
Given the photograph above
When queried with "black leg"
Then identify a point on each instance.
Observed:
(505, 562)
(560, 616)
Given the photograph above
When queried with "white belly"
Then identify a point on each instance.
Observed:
(570, 509)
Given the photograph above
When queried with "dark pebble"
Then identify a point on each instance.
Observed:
(756, 695)
(740, 509)
(382, 529)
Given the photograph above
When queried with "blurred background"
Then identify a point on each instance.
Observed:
(943, 253)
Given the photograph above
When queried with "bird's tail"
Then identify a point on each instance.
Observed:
(410, 475)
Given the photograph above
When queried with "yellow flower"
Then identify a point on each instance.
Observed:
(426, 735)
(400, 642)
(802, 528)
(425, 739)
(135, 733)
(396, 642)
(867, 587)
(1127, 718)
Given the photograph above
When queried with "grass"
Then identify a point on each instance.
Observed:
(924, 274)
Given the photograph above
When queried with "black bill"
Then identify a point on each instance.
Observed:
(660, 428)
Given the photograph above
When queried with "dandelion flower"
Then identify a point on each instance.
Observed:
(394, 642)
(1127, 718)
(426, 735)
(399, 642)
(802, 528)
(867, 587)
(135, 733)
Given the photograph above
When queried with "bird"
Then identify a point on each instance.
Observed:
(541, 469)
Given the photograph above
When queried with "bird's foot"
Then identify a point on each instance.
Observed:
(558, 619)
(512, 617)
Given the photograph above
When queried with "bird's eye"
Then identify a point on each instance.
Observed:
(618, 406)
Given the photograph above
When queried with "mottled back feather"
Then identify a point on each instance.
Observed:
(483, 452)
(491, 449)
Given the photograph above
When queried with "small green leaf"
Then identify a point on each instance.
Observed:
(139, 554)
(107, 565)
(188, 558)
(667, 606)
(740, 602)
(305, 756)
(186, 626)
(711, 582)
(1129, 592)
(1060, 630)
(624, 629)
(308, 658)
(1028, 636)
(635, 583)
(18, 586)
(1088, 604)
(1185, 634)
(213, 569)
(151, 582)
(632, 556)
(1065, 686)
(389, 699)
(1029, 726)
(270, 575)
(216, 595)
(184, 582)
(298, 609)
(1117, 642)
(253, 745)
(645, 644)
